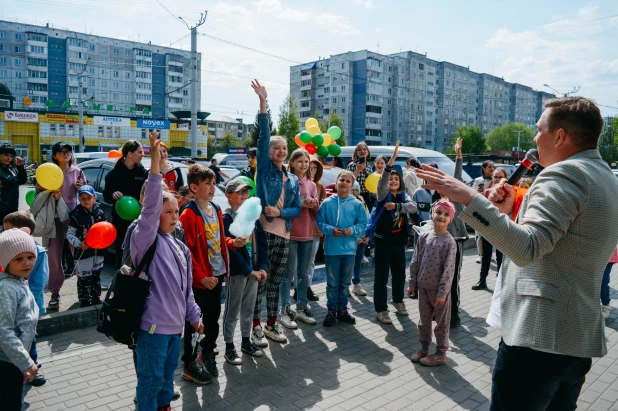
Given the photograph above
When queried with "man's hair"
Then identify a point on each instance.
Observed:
(212, 160)
(579, 117)
(198, 173)
(19, 219)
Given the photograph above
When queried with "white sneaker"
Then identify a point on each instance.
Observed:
(288, 318)
(305, 316)
(258, 337)
(365, 260)
(606, 310)
(384, 318)
(400, 307)
(359, 290)
(275, 333)
(479, 259)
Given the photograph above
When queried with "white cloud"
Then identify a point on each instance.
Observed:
(229, 10)
(368, 4)
(334, 24)
(268, 5)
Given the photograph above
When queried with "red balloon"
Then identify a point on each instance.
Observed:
(311, 149)
(114, 154)
(298, 141)
(101, 235)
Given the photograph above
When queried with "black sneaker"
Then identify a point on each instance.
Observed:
(455, 322)
(311, 295)
(481, 285)
(39, 380)
(344, 315)
(197, 373)
(54, 302)
(232, 358)
(210, 363)
(331, 318)
(251, 349)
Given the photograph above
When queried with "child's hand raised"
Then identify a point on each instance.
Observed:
(155, 154)
(439, 301)
(259, 89)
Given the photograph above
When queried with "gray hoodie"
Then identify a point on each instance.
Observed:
(18, 318)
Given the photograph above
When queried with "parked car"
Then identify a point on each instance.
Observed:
(238, 161)
(474, 169)
(82, 157)
(96, 170)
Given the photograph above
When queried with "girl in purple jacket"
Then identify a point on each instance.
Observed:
(171, 301)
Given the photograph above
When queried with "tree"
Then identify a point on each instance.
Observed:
(335, 120)
(505, 137)
(607, 142)
(473, 141)
(289, 124)
(211, 146)
(251, 140)
(229, 140)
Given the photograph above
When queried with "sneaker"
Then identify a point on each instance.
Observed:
(275, 333)
(455, 322)
(38, 380)
(305, 316)
(400, 307)
(196, 373)
(311, 296)
(432, 360)
(344, 315)
(331, 318)
(54, 302)
(479, 259)
(252, 350)
(288, 318)
(258, 337)
(210, 364)
(176, 394)
(232, 358)
(606, 311)
(419, 355)
(384, 318)
(359, 290)
(365, 260)
(481, 285)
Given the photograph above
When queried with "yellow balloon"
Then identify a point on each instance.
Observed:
(313, 130)
(49, 176)
(310, 123)
(371, 182)
(328, 140)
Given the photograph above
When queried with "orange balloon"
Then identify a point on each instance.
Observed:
(298, 141)
(114, 154)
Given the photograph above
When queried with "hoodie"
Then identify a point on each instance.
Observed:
(303, 225)
(392, 227)
(341, 213)
(320, 187)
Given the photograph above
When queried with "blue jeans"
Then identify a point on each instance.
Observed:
(358, 262)
(339, 270)
(157, 359)
(605, 284)
(33, 353)
(299, 258)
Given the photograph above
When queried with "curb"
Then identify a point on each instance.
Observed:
(77, 318)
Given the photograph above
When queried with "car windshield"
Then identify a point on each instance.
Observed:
(445, 164)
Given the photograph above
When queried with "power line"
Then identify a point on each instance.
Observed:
(248, 48)
(171, 14)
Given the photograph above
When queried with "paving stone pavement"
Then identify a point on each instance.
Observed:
(344, 367)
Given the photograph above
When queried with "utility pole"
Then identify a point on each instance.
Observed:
(194, 81)
(518, 143)
(80, 111)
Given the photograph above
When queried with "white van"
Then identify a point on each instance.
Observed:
(238, 161)
(422, 155)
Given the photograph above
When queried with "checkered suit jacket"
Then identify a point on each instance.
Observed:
(566, 231)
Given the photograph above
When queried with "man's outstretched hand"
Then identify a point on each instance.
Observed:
(446, 185)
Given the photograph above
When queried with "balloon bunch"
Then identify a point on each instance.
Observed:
(314, 141)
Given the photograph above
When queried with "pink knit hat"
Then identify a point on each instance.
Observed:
(447, 205)
(13, 242)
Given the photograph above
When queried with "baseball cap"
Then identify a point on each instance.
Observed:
(7, 149)
(59, 146)
(234, 186)
(86, 189)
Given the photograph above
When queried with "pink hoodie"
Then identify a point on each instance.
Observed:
(303, 225)
(614, 257)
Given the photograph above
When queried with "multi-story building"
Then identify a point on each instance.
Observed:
(48, 68)
(409, 97)
(218, 125)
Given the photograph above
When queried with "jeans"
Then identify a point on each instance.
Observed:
(314, 252)
(241, 293)
(486, 261)
(605, 284)
(527, 379)
(393, 258)
(358, 262)
(299, 257)
(339, 270)
(33, 352)
(157, 359)
(209, 302)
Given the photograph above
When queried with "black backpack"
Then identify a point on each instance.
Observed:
(124, 303)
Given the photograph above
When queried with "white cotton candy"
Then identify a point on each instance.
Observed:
(248, 213)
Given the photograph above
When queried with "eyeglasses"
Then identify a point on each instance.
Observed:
(64, 153)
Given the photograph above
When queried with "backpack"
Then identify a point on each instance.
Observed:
(373, 218)
(124, 303)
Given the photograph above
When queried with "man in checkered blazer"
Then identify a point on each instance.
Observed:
(556, 252)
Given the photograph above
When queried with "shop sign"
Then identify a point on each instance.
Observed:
(21, 116)
(112, 121)
(150, 123)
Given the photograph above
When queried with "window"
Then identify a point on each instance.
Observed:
(92, 47)
(91, 82)
(2, 60)
(2, 34)
(421, 66)
(37, 74)
(116, 51)
(18, 36)
(143, 74)
(18, 74)
(77, 67)
(3, 47)
(103, 83)
(116, 73)
(342, 88)
(127, 53)
(116, 85)
(61, 130)
(115, 62)
(334, 100)
(18, 49)
(18, 62)
(91, 70)
(127, 86)
(37, 62)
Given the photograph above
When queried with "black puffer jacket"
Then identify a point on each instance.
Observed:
(11, 177)
(80, 221)
(128, 182)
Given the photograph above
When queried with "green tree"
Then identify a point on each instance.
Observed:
(211, 146)
(289, 124)
(608, 141)
(229, 140)
(251, 140)
(473, 141)
(335, 120)
(505, 137)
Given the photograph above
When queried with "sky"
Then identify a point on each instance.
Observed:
(565, 44)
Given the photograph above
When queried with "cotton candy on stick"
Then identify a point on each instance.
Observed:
(248, 213)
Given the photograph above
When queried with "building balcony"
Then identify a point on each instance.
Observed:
(35, 54)
(145, 102)
(37, 80)
(173, 73)
(37, 93)
(36, 68)
(175, 63)
(36, 43)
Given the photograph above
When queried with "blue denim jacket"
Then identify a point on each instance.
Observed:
(269, 179)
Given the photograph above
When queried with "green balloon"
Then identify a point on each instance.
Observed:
(305, 137)
(30, 197)
(317, 140)
(334, 149)
(128, 208)
(323, 151)
(335, 132)
(249, 182)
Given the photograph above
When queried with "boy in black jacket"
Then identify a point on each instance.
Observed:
(90, 261)
(248, 265)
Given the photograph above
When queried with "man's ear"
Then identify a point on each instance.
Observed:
(560, 137)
